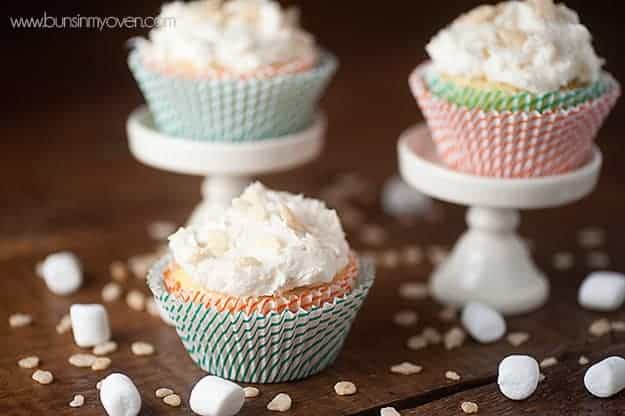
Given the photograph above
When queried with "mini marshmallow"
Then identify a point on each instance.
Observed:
(602, 291)
(518, 376)
(119, 396)
(399, 198)
(214, 396)
(90, 324)
(606, 378)
(482, 322)
(62, 273)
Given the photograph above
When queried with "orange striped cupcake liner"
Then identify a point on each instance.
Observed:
(188, 71)
(181, 285)
(512, 144)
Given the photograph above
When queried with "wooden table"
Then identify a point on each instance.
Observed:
(70, 183)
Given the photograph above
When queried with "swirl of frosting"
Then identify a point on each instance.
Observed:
(532, 45)
(266, 243)
(237, 36)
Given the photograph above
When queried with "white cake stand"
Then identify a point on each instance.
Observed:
(228, 167)
(489, 263)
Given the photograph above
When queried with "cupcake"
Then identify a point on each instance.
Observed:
(268, 292)
(235, 70)
(514, 90)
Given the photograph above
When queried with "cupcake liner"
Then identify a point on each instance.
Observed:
(232, 110)
(262, 348)
(470, 97)
(294, 300)
(512, 144)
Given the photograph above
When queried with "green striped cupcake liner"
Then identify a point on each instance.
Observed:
(470, 97)
(232, 110)
(271, 348)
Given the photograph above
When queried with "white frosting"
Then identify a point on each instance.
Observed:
(239, 36)
(536, 46)
(267, 242)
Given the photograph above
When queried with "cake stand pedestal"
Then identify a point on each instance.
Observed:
(228, 167)
(490, 263)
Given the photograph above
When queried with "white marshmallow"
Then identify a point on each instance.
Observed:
(214, 396)
(90, 324)
(606, 378)
(61, 272)
(602, 291)
(119, 396)
(518, 376)
(482, 322)
(399, 198)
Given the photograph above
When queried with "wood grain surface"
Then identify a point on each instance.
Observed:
(69, 183)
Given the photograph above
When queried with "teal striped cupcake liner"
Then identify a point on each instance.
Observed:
(470, 97)
(232, 110)
(271, 348)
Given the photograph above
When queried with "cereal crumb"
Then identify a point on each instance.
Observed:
(111, 292)
(373, 235)
(583, 360)
(517, 338)
(18, 320)
(617, 326)
(251, 392)
(163, 392)
(412, 255)
(452, 375)
(597, 260)
(413, 291)
(135, 300)
(563, 260)
(105, 348)
(448, 313)
(469, 407)
(406, 369)
(77, 401)
(29, 362)
(454, 338)
(600, 327)
(43, 377)
(280, 403)
(142, 348)
(431, 335)
(416, 342)
(389, 411)
(172, 400)
(405, 318)
(118, 271)
(81, 360)
(101, 363)
(548, 362)
(64, 325)
(591, 237)
(345, 388)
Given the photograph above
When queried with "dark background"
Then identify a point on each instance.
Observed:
(67, 93)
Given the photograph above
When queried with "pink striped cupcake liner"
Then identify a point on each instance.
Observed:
(511, 144)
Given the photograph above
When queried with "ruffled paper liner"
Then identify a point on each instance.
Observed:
(512, 144)
(263, 348)
(495, 100)
(187, 71)
(224, 109)
(179, 284)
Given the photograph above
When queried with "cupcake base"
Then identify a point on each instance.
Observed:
(262, 348)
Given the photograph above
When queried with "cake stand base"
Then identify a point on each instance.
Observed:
(490, 262)
(228, 166)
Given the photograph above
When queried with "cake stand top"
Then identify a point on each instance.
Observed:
(420, 166)
(194, 157)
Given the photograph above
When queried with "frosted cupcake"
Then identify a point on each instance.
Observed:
(267, 293)
(514, 90)
(233, 70)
